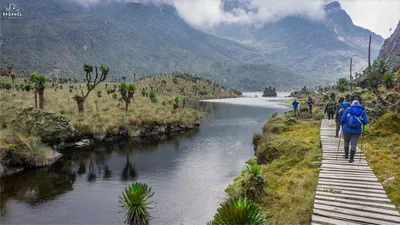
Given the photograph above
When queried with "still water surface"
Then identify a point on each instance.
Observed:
(188, 173)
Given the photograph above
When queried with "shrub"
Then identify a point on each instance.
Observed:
(389, 80)
(238, 211)
(115, 96)
(135, 201)
(27, 87)
(62, 112)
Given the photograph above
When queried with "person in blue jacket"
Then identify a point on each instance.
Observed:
(353, 120)
(295, 105)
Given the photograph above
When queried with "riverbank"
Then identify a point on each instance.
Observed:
(289, 156)
(288, 153)
(154, 111)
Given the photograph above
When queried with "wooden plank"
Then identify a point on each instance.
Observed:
(326, 220)
(361, 186)
(346, 167)
(354, 197)
(359, 213)
(366, 194)
(360, 172)
(353, 219)
(339, 181)
(391, 212)
(355, 202)
(346, 174)
(349, 178)
(334, 187)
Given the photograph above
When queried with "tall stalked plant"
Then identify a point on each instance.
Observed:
(135, 200)
(127, 91)
(238, 211)
(91, 80)
(38, 82)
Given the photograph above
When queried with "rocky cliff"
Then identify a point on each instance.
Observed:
(390, 50)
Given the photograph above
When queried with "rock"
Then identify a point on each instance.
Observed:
(161, 129)
(51, 157)
(388, 180)
(269, 92)
(83, 143)
(51, 127)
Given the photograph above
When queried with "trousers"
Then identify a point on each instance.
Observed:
(350, 140)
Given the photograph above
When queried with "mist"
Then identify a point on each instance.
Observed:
(207, 13)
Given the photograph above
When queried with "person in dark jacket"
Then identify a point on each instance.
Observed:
(295, 105)
(352, 133)
(310, 103)
(340, 108)
(330, 110)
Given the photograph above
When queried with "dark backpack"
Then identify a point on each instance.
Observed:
(354, 121)
(330, 108)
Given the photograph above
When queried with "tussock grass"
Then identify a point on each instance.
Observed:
(109, 112)
(285, 151)
(382, 150)
(30, 150)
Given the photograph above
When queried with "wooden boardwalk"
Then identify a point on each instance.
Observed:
(348, 193)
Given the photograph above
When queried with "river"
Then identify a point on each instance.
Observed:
(187, 173)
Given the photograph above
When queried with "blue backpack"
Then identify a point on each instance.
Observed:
(354, 122)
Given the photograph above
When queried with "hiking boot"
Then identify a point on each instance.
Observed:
(352, 156)
(346, 153)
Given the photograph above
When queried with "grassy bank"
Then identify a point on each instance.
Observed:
(288, 153)
(105, 111)
(160, 105)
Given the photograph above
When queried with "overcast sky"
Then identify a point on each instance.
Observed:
(376, 15)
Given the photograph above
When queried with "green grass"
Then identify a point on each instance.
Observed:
(286, 151)
(382, 150)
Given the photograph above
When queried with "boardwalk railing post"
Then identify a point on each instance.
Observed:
(340, 137)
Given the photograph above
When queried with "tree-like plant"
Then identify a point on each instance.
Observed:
(152, 96)
(381, 66)
(13, 76)
(238, 211)
(38, 82)
(144, 92)
(127, 91)
(175, 101)
(389, 80)
(90, 83)
(135, 200)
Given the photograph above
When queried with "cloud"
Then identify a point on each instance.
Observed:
(376, 15)
(207, 13)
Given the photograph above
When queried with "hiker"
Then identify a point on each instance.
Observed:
(295, 105)
(310, 103)
(353, 119)
(330, 110)
(339, 112)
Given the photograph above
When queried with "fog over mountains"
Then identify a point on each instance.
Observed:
(299, 48)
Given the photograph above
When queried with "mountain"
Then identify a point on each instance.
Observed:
(57, 38)
(319, 48)
(391, 49)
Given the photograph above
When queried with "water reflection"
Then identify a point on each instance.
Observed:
(188, 174)
(37, 186)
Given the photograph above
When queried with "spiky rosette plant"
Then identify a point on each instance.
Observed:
(136, 202)
(238, 211)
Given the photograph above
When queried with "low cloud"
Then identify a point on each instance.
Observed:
(207, 13)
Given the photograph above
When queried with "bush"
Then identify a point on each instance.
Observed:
(27, 87)
(389, 80)
(238, 211)
(115, 96)
(62, 112)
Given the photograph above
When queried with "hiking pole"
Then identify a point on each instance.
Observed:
(340, 137)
